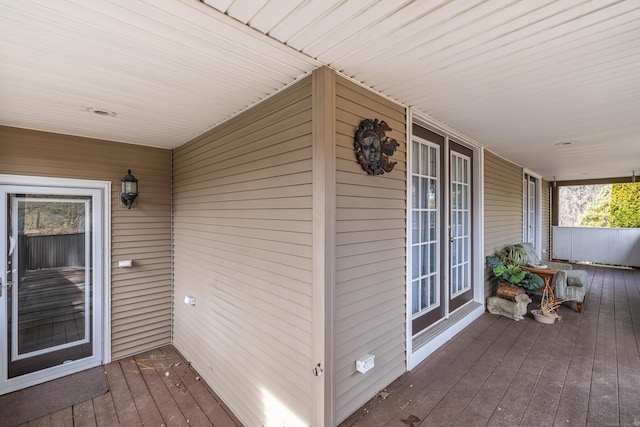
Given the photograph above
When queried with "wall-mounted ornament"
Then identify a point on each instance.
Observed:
(372, 147)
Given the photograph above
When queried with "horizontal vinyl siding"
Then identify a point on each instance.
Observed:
(502, 206)
(242, 247)
(141, 295)
(369, 313)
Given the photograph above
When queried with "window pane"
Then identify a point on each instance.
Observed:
(415, 192)
(432, 226)
(433, 257)
(415, 296)
(432, 161)
(465, 170)
(423, 294)
(424, 183)
(424, 226)
(424, 160)
(415, 262)
(433, 292)
(454, 169)
(432, 194)
(415, 227)
(424, 252)
(416, 156)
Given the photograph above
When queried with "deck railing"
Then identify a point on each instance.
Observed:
(53, 251)
(616, 246)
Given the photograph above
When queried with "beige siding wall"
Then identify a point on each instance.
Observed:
(502, 206)
(243, 249)
(140, 296)
(370, 254)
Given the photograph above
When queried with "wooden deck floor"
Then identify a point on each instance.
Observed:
(584, 370)
(141, 393)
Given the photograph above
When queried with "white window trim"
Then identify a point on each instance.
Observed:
(538, 215)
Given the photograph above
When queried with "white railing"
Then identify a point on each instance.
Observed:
(617, 246)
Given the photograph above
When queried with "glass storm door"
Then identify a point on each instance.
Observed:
(49, 304)
(460, 220)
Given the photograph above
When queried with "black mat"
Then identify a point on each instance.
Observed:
(44, 399)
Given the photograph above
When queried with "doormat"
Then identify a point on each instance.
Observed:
(43, 399)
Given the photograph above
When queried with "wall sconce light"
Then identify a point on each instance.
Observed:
(129, 189)
(633, 176)
(555, 184)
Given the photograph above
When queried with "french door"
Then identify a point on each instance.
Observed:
(460, 225)
(51, 283)
(441, 234)
(530, 209)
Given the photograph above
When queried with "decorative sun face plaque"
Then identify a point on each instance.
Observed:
(372, 147)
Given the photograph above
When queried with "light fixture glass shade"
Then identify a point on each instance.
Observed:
(129, 189)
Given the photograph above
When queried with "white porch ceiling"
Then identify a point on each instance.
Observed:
(516, 76)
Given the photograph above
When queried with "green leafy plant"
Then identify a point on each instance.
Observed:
(513, 274)
(513, 255)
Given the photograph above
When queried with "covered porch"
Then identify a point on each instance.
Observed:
(584, 370)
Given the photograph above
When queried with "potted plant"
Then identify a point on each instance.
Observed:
(513, 255)
(513, 274)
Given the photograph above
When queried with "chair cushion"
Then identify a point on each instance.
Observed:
(577, 278)
(574, 293)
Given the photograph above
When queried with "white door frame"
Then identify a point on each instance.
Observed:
(415, 356)
(538, 213)
(101, 192)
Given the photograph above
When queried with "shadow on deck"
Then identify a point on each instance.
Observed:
(583, 370)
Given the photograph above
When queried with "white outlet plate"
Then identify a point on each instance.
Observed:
(365, 363)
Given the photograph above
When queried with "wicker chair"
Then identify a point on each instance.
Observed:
(570, 283)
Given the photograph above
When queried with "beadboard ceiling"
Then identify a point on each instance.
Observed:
(551, 85)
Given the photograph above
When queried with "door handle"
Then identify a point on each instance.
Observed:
(450, 239)
(4, 285)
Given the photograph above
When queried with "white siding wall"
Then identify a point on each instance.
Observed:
(370, 254)
(243, 249)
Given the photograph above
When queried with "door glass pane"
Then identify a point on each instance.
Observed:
(50, 312)
(460, 224)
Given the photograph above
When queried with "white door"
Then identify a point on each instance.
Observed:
(51, 270)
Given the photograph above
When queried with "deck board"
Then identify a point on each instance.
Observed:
(122, 400)
(84, 414)
(583, 370)
(140, 393)
(147, 408)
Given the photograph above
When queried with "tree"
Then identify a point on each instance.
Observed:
(625, 205)
(597, 212)
(574, 201)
